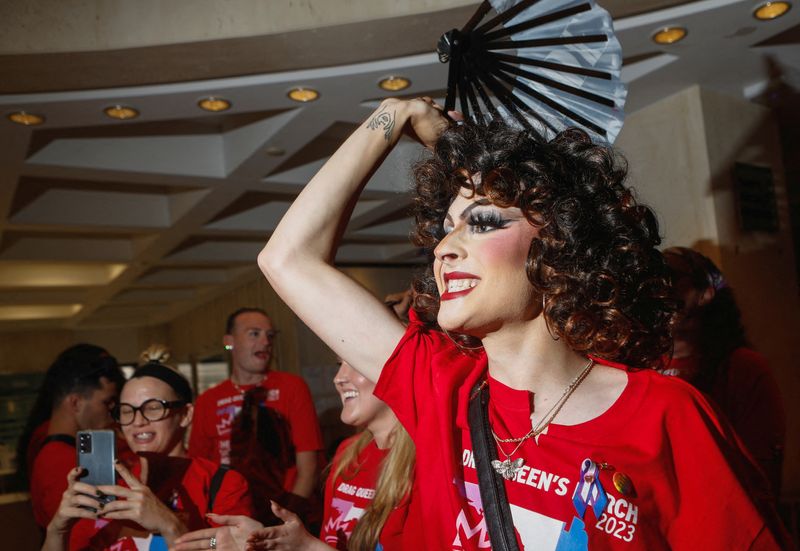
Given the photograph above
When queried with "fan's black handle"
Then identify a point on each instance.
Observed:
(449, 50)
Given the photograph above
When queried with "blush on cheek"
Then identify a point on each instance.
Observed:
(501, 250)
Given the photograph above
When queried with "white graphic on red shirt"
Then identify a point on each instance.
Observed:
(225, 417)
(342, 524)
(464, 528)
(535, 530)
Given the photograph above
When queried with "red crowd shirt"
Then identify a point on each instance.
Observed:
(48, 479)
(217, 407)
(35, 444)
(347, 498)
(751, 400)
(683, 488)
(183, 485)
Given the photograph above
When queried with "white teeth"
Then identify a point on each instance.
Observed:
(349, 394)
(455, 285)
(144, 436)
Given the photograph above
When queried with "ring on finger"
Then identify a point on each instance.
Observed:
(212, 543)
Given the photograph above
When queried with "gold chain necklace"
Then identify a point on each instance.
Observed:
(508, 469)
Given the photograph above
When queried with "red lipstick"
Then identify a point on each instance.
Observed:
(457, 275)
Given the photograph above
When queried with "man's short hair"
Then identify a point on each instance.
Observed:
(78, 369)
(231, 323)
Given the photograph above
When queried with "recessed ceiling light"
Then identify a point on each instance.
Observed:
(26, 119)
(670, 35)
(394, 84)
(214, 103)
(121, 112)
(771, 10)
(303, 95)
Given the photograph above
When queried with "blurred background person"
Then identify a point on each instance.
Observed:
(78, 393)
(711, 351)
(261, 422)
(162, 496)
(368, 490)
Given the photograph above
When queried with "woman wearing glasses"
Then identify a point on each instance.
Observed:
(163, 496)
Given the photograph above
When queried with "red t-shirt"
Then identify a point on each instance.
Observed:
(48, 479)
(347, 498)
(660, 433)
(216, 409)
(751, 400)
(35, 444)
(183, 485)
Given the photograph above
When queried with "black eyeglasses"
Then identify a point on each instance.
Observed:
(152, 410)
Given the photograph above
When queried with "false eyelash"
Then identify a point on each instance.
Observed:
(488, 218)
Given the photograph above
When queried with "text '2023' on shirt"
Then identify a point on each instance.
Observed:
(679, 473)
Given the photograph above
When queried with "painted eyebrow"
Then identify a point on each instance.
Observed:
(466, 211)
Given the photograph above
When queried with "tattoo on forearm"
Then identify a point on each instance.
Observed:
(383, 119)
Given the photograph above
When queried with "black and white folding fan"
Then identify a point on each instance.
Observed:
(547, 64)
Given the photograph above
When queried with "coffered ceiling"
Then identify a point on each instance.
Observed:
(116, 223)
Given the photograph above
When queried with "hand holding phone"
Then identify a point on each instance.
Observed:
(97, 456)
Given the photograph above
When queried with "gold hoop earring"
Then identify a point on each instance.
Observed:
(546, 323)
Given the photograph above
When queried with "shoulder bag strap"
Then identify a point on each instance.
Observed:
(63, 438)
(496, 511)
(216, 482)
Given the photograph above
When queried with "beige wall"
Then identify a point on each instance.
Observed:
(682, 151)
(198, 333)
(26, 351)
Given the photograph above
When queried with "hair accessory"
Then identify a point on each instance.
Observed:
(508, 469)
(175, 380)
(155, 353)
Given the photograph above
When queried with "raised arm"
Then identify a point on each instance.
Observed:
(298, 259)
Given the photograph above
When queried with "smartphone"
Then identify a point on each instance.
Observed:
(97, 451)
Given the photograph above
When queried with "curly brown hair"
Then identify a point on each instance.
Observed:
(606, 286)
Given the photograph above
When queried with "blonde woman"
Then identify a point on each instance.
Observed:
(366, 494)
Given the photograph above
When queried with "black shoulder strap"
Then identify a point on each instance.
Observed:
(63, 438)
(496, 510)
(216, 482)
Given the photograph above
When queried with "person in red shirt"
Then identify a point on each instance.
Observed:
(526, 379)
(166, 494)
(261, 422)
(712, 353)
(78, 392)
(366, 495)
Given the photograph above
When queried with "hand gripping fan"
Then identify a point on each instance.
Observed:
(542, 64)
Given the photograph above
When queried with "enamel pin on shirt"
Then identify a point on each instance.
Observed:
(589, 491)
